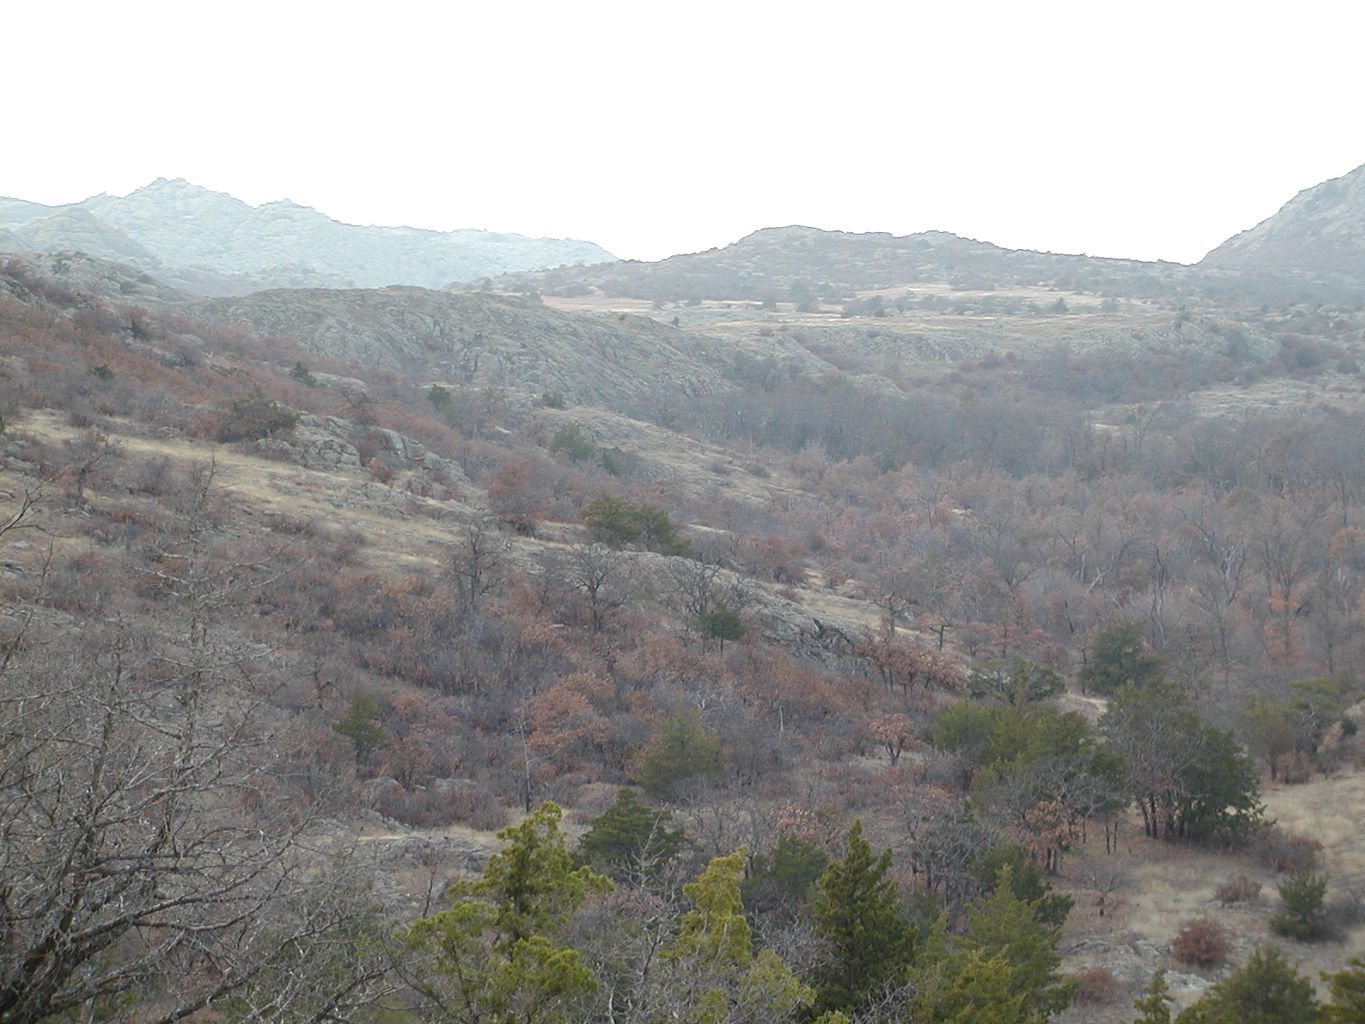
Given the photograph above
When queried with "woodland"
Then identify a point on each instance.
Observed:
(842, 690)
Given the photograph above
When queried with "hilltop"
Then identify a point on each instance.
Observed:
(802, 264)
(1318, 233)
(210, 243)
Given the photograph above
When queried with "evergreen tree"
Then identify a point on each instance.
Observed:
(629, 837)
(1302, 915)
(1016, 681)
(1026, 880)
(718, 976)
(1004, 926)
(679, 751)
(1118, 657)
(1347, 988)
(1189, 779)
(1003, 968)
(361, 726)
(1155, 1003)
(857, 912)
(782, 882)
(496, 954)
(721, 623)
(620, 521)
(1265, 990)
(968, 988)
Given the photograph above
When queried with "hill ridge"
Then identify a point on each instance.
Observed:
(213, 243)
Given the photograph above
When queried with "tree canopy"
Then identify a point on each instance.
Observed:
(497, 953)
(857, 912)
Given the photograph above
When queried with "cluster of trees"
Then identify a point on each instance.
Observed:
(1265, 990)
(1189, 779)
(606, 932)
(541, 936)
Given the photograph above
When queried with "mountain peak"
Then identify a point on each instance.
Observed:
(1321, 230)
(173, 186)
(179, 227)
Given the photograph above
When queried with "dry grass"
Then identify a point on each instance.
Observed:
(683, 461)
(1326, 810)
(1167, 884)
(602, 304)
(341, 499)
(1325, 391)
(406, 533)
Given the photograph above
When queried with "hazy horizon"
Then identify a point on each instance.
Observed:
(1142, 133)
(717, 245)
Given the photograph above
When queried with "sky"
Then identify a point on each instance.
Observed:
(1149, 130)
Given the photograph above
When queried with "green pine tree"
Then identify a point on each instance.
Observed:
(1003, 926)
(721, 623)
(783, 882)
(1347, 988)
(1265, 990)
(1155, 1003)
(1302, 915)
(1118, 657)
(680, 750)
(496, 954)
(361, 726)
(857, 912)
(968, 987)
(718, 977)
(629, 837)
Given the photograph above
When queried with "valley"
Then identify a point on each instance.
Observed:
(1044, 575)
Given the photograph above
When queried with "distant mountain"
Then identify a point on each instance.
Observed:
(1321, 231)
(797, 263)
(1316, 241)
(213, 244)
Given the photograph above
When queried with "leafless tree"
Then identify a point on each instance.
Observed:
(699, 588)
(149, 854)
(89, 453)
(602, 575)
(478, 561)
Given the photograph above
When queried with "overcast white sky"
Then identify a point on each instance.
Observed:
(1151, 130)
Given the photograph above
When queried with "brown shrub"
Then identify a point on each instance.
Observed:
(1279, 850)
(380, 471)
(463, 801)
(1201, 943)
(1239, 890)
(1096, 985)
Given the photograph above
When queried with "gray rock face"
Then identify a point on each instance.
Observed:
(325, 443)
(314, 443)
(1320, 231)
(84, 273)
(212, 243)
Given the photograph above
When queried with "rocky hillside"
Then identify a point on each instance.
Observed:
(1321, 231)
(649, 363)
(214, 244)
(477, 339)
